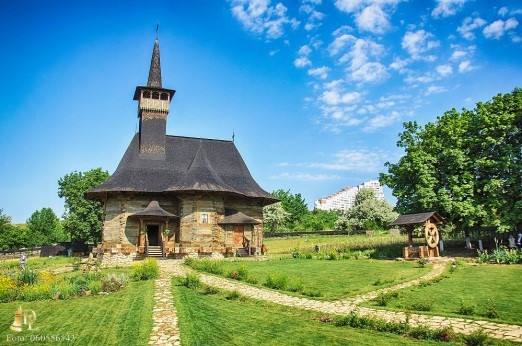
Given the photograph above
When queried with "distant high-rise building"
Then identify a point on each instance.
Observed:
(345, 198)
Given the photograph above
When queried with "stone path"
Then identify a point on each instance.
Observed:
(343, 307)
(165, 320)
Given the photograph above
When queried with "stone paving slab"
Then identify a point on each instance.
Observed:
(165, 321)
(343, 307)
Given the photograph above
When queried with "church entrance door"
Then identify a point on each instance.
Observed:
(238, 235)
(153, 234)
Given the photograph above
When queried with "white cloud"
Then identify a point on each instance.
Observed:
(399, 64)
(320, 72)
(360, 68)
(314, 16)
(435, 89)
(381, 121)
(444, 70)
(302, 62)
(334, 97)
(465, 66)
(498, 28)
(446, 8)
(304, 176)
(503, 11)
(304, 50)
(457, 55)
(468, 25)
(260, 18)
(418, 42)
(362, 160)
(370, 15)
(373, 19)
(340, 42)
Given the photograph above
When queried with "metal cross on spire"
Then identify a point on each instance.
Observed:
(157, 30)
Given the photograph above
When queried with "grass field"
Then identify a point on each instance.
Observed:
(121, 318)
(353, 242)
(211, 319)
(472, 289)
(39, 262)
(333, 279)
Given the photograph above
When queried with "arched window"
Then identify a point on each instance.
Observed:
(155, 95)
(146, 94)
(164, 96)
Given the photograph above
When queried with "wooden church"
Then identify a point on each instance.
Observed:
(174, 196)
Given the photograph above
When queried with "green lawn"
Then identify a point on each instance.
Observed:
(333, 279)
(121, 318)
(39, 262)
(214, 320)
(469, 286)
(354, 242)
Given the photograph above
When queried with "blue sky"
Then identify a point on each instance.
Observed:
(316, 91)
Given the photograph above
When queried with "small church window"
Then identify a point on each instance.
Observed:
(164, 96)
(146, 94)
(204, 218)
(155, 95)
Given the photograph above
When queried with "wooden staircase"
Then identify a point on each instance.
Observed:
(154, 251)
(242, 252)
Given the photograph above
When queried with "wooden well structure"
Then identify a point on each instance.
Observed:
(430, 221)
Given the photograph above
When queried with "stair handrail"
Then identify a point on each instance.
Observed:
(162, 246)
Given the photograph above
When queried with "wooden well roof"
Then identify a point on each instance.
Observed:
(412, 219)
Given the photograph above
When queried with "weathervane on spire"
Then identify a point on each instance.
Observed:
(157, 30)
(233, 134)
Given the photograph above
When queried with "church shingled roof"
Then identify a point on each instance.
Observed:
(190, 165)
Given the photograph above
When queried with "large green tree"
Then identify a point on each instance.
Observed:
(294, 205)
(466, 165)
(368, 212)
(13, 236)
(45, 227)
(274, 217)
(82, 218)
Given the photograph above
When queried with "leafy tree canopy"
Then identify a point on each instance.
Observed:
(466, 165)
(274, 217)
(294, 205)
(45, 227)
(13, 236)
(82, 219)
(368, 212)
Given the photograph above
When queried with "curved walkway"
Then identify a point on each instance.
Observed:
(343, 307)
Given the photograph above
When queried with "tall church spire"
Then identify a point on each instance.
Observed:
(155, 67)
(153, 109)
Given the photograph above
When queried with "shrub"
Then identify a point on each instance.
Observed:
(27, 277)
(277, 282)
(145, 270)
(210, 289)
(296, 286)
(296, 253)
(191, 281)
(491, 310)
(8, 290)
(234, 295)
(422, 306)
(445, 334)
(421, 332)
(423, 262)
(332, 255)
(483, 257)
(94, 286)
(311, 294)
(36, 292)
(466, 309)
(114, 282)
(252, 280)
(240, 273)
(384, 298)
(477, 338)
